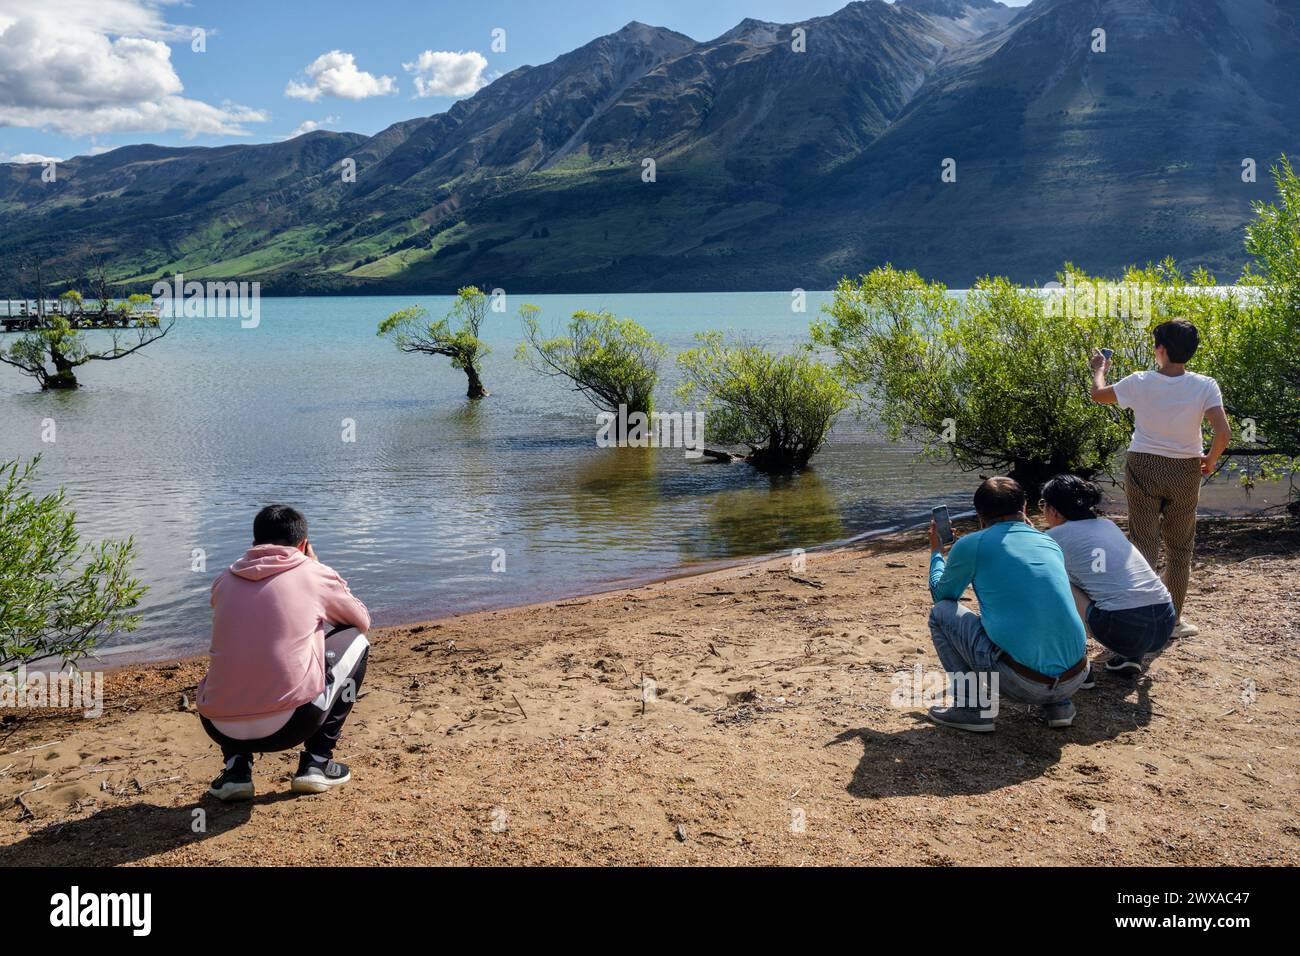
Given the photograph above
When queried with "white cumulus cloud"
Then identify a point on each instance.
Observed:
(84, 68)
(335, 74)
(441, 73)
(307, 126)
(29, 158)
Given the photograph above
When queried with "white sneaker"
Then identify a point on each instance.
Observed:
(1183, 629)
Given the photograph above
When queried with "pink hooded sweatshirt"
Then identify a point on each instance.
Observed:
(270, 610)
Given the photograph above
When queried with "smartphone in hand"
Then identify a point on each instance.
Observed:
(1107, 354)
(943, 525)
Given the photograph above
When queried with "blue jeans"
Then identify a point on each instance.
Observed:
(964, 647)
(1133, 632)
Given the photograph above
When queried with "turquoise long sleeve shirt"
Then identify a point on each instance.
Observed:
(1024, 592)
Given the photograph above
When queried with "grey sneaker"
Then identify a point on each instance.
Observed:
(963, 718)
(317, 776)
(1059, 714)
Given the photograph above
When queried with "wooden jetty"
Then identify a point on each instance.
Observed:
(28, 316)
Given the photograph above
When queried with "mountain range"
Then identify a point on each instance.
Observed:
(783, 156)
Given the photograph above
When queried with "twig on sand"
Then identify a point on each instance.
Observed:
(808, 581)
(520, 706)
(136, 787)
(27, 750)
(630, 681)
(27, 813)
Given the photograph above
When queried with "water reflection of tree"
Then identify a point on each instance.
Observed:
(617, 497)
(780, 514)
(629, 499)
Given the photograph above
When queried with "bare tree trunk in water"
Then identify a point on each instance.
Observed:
(476, 389)
(63, 376)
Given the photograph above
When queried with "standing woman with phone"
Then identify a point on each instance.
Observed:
(1166, 458)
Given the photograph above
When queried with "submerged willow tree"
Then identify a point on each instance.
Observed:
(612, 361)
(51, 353)
(411, 331)
(780, 406)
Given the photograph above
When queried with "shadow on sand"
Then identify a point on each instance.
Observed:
(130, 833)
(939, 761)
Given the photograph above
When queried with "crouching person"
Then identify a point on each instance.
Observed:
(274, 681)
(1026, 642)
(1121, 600)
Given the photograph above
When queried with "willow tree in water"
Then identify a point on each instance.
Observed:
(781, 406)
(51, 353)
(612, 361)
(411, 331)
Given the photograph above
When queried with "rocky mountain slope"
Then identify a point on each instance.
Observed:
(774, 166)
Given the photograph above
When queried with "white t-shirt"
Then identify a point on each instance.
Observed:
(1168, 411)
(1105, 565)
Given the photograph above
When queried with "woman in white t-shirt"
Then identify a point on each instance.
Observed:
(1166, 458)
(1122, 601)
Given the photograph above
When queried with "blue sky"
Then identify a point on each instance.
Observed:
(80, 76)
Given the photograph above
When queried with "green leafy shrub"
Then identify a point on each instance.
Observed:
(997, 381)
(780, 406)
(612, 361)
(58, 598)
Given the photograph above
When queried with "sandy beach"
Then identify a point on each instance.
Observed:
(523, 736)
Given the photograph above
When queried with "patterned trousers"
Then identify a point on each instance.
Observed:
(1162, 497)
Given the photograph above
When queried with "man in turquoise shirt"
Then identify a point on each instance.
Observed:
(1027, 642)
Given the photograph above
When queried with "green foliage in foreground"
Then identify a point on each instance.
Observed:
(610, 360)
(780, 406)
(411, 331)
(57, 597)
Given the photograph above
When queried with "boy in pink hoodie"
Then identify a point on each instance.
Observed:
(275, 680)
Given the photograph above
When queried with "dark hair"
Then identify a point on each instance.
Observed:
(1180, 339)
(999, 497)
(1074, 497)
(279, 524)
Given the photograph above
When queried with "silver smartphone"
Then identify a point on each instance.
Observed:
(943, 524)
